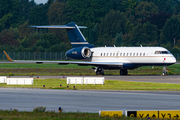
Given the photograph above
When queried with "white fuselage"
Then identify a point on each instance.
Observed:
(137, 55)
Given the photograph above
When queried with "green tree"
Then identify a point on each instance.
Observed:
(118, 39)
(7, 38)
(127, 40)
(56, 13)
(157, 19)
(88, 12)
(33, 38)
(44, 43)
(51, 38)
(165, 6)
(119, 5)
(177, 8)
(62, 47)
(171, 31)
(114, 22)
(145, 9)
(26, 6)
(38, 15)
(24, 30)
(105, 40)
(130, 3)
(5, 21)
(146, 34)
(10, 14)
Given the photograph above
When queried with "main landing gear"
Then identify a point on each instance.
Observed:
(123, 72)
(165, 70)
(99, 71)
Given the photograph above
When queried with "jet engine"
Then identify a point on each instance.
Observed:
(79, 53)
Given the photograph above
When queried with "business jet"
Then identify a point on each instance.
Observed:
(120, 58)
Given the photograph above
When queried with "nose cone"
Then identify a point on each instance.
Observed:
(173, 60)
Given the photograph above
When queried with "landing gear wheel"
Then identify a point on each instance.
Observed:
(99, 71)
(123, 72)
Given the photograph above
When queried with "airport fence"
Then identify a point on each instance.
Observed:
(35, 56)
(45, 56)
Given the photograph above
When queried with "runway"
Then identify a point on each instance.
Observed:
(93, 101)
(87, 101)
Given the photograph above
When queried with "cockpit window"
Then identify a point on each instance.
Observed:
(158, 52)
(162, 52)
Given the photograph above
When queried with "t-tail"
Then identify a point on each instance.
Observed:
(76, 37)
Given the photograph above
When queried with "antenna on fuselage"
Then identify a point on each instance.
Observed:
(114, 46)
(140, 45)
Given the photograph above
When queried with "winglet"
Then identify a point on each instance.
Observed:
(9, 58)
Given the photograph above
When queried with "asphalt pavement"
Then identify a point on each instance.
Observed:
(87, 101)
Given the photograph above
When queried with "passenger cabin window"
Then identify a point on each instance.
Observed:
(130, 54)
(111, 54)
(101, 54)
(117, 54)
(140, 54)
(123, 54)
(127, 54)
(137, 54)
(107, 54)
(162, 52)
(104, 54)
(133, 54)
(143, 54)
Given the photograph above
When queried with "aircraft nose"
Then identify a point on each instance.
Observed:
(173, 60)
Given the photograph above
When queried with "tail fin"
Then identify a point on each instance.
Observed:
(76, 37)
(9, 58)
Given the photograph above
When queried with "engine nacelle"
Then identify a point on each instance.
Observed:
(79, 53)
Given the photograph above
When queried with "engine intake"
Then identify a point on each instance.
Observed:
(79, 53)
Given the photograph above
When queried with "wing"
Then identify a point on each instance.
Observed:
(83, 63)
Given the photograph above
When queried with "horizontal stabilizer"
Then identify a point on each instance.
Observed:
(76, 37)
(57, 26)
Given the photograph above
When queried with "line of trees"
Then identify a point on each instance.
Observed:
(109, 22)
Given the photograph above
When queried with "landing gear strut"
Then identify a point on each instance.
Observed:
(99, 71)
(123, 72)
(165, 70)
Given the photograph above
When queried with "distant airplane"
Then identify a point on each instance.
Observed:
(120, 58)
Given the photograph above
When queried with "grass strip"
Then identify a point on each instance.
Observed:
(49, 115)
(71, 69)
(109, 85)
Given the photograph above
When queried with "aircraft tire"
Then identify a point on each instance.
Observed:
(100, 71)
(124, 72)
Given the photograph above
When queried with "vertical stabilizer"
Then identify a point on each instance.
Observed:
(76, 37)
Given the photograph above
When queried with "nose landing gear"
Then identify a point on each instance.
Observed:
(165, 70)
